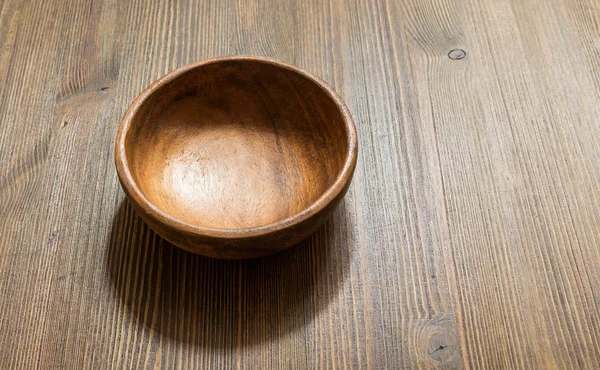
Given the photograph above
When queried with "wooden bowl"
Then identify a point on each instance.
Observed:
(236, 157)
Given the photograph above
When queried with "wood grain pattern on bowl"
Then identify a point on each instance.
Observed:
(236, 157)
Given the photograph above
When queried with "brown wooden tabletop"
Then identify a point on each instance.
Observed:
(470, 236)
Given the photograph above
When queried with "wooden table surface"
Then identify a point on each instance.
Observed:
(470, 236)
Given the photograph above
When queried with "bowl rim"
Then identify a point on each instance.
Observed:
(132, 190)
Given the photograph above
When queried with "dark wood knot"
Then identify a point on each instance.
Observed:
(439, 344)
(457, 54)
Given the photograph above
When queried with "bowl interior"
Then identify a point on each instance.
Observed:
(236, 144)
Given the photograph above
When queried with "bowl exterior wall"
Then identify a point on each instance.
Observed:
(242, 247)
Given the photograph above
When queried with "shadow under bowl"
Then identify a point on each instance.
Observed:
(236, 157)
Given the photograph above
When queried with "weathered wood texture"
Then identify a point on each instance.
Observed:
(470, 236)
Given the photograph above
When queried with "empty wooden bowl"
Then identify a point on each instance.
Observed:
(236, 157)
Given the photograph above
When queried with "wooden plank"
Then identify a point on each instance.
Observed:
(468, 239)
